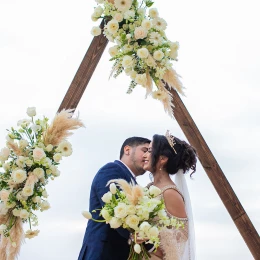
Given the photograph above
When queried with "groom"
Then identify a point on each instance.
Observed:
(100, 241)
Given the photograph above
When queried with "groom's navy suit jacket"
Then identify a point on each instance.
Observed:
(100, 241)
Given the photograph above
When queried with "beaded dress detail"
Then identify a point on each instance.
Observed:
(173, 240)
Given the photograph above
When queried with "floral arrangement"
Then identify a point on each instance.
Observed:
(142, 48)
(135, 208)
(28, 162)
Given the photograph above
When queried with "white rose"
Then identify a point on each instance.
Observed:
(95, 31)
(98, 11)
(141, 11)
(153, 12)
(23, 143)
(120, 210)
(24, 214)
(141, 79)
(115, 223)
(133, 74)
(131, 209)
(158, 55)
(129, 14)
(36, 199)
(29, 162)
(45, 205)
(127, 61)
(145, 226)
(112, 188)
(31, 111)
(137, 248)
(132, 221)
(39, 172)
(94, 18)
(87, 214)
(46, 162)
(16, 212)
(38, 154)
(49, 148)
(3, 209)
(147, 24)
(45, 194)
(140, 33)
(153, 232)
(57, 157)
(118, 17)
(150, 62)
(27, 191)
(19, 176)
(113, 51)
(105, 214)
(4, 195)
(107, 197)
(142, 53)
(154, 191)
(5, 152)
(6, 166)
(112, 26)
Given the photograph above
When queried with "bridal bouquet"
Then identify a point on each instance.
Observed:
(28, 162)
(137, 209)
(142, 48)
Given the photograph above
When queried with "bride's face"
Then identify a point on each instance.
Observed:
(147, 158)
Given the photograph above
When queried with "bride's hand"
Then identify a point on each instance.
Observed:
(159, 253)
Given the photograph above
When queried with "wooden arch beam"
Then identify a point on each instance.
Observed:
(189, 128)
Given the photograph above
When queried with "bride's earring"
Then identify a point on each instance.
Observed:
(151, 177)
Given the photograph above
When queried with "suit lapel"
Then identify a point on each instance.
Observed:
(126, 171)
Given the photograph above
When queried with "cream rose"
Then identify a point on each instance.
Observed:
(45, 205)
(23, 143)
(158, 55)
(4, 195)
(153, 232)
(19, 176)
(140, 33)
(145, 226)
(36, 199)
(39, 172)
(142, 53)
(113, 51)
(27, 191)
(153, 12)
(115, 222)
(24, 214)
(118, 17)
(127, 61)
(120, 210)
(57, 157)
(132, 221)
(141, 79)
(38, 154)
(112, 26)
(16, 212)
(95, 31)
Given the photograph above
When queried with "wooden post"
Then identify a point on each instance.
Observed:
(192, 133)
(217, 176)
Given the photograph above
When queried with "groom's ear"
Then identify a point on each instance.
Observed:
(127, 149)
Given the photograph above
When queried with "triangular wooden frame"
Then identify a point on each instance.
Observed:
(192, 133)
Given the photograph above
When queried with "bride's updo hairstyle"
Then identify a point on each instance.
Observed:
(180, 155)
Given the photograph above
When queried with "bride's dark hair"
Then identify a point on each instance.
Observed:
(185, 159)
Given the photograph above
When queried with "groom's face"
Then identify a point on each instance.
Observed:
(137, 158)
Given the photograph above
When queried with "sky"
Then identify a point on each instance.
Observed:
(41, 47)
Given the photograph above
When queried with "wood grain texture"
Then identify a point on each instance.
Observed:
(85, 72)
(217, 177)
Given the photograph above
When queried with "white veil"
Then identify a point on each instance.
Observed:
(190, 250)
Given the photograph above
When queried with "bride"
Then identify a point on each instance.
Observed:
(167, 156)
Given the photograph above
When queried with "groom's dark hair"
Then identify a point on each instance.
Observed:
(133, 141)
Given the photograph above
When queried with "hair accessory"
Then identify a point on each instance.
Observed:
(170, 139)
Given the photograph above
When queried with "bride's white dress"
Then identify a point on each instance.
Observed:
(174, 240)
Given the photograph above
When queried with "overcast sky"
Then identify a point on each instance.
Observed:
(41, 47)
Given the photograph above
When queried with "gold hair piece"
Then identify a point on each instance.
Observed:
(171, 140)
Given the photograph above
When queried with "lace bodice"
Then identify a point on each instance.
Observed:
(173, 240)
